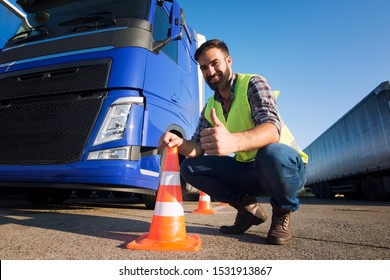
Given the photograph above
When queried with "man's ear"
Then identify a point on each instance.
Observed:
(229, 60)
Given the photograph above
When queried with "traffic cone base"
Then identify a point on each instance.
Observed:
(204, 211)
(191, 243)
(224, 204)
(166, 233)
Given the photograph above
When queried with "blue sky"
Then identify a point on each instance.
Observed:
(324, 56)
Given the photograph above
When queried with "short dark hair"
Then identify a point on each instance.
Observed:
(214, 43)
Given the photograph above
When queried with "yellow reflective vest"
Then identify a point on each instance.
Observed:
(240, 118)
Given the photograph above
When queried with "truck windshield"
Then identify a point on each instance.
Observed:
(83, 14)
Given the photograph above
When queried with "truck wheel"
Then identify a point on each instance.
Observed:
(371, 188)
(149, 200)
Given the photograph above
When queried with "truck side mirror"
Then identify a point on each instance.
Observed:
(174, 20)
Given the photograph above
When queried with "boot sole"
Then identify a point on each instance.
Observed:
(276, 241)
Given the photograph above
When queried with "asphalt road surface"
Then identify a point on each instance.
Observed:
(99, 229)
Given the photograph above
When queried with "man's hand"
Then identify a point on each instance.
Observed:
(168, 139)
(217, 140)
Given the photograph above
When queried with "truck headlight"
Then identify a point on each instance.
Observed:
(121, 153)
(114, 124)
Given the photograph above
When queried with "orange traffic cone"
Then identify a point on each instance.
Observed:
(167, 230)
(204, 205)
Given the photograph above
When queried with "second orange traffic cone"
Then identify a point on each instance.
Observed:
(167, 230)
(204, 205)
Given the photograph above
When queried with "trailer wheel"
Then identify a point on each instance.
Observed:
(371, 188)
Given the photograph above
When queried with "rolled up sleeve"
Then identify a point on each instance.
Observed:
(263, 102)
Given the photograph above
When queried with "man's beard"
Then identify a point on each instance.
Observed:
(222, 83)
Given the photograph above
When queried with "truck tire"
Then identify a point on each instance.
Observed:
(149, 200)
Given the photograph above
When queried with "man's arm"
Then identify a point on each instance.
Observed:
(219, 141)
(185, 147)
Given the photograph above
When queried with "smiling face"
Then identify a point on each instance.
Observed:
(216, 69)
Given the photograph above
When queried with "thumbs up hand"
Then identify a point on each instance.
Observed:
(217, 140)
(214, 118)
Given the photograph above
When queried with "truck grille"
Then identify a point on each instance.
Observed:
(53, 130)
(52, 116)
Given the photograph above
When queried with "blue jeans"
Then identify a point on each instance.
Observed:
(277, 171)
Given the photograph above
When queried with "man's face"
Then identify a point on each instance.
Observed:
(216, 68)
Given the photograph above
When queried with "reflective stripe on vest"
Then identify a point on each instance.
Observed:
(240, 118)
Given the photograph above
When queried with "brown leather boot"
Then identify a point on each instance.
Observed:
(280, 232)
(249, 213)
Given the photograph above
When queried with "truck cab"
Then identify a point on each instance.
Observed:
(87, 89)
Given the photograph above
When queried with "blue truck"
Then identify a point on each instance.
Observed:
(87, 88)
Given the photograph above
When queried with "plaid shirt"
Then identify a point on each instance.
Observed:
(261, 99)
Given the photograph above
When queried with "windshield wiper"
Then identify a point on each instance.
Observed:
(87, 22)
(35, 33)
